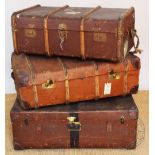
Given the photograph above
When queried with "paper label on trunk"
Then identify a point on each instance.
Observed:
(107, 88)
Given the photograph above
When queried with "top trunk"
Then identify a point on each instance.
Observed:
(101, 33)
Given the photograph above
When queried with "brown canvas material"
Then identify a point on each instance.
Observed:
(42, 81)
(99, 33)
(107, 123)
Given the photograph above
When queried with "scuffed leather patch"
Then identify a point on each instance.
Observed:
(17, 146)
(134, 90)
(22, 79)
(25, 105)
(135, 61)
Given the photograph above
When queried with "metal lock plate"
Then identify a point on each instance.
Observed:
(30, 33)
(48, 84)
(98, 35)
(72, 125)
(114, 75)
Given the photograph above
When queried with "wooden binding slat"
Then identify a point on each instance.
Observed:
(35, 93)
(14, 25)
(126, 67)
(96, 80)
(66, 80)
(46, 27)
(82, 30)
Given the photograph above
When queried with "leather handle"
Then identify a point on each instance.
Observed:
(136, 45)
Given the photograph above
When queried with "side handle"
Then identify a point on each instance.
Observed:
(136, 45)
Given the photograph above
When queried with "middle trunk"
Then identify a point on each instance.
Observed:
(42, 81)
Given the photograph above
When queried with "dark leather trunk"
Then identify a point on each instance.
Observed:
(108, 123)
(100, 33)
(42, 81)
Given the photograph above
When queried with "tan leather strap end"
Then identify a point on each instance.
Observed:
(96, 81)
(66, 81)
(82, 39)
(35, 92)
(46, 27)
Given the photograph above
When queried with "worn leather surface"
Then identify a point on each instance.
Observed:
(142, 102)
(109, 42)
(109, 104)
(111, 127)
(81, 78)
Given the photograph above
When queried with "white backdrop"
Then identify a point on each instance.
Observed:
(142, 25)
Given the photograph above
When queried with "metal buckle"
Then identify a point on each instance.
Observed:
(72, 125)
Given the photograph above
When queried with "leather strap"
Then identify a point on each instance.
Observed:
(74, 135)
(120, 37)
(14, 30)
(46, 27)
(33, 80)
(82, 44)
(66, 80)
(109, 126)
(14, 33)
(96, 80)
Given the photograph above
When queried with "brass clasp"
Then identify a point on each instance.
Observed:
(30, 33)
(114, 75)
(71, 119)
(72, 125)
(48, 84)
(99, 36)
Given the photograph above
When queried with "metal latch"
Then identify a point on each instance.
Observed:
(48, 84)
(72, 125)
(122, 120)
(114, 75)
(30, 33)
(62, 31)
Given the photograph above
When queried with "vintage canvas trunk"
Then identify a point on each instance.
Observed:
(101, 33)
(107, 123)
(42, 81)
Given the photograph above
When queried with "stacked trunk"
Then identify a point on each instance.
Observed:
(44, 74)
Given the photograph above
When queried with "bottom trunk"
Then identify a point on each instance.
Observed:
(107, 123)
